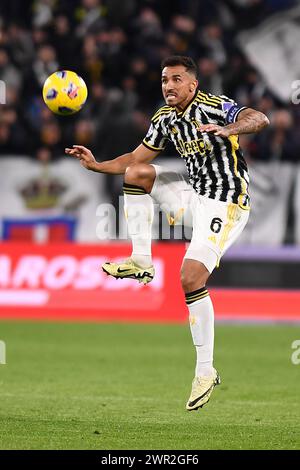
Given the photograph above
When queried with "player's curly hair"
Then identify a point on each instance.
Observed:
(187, 62)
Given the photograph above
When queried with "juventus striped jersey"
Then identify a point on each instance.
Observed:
(215, 165)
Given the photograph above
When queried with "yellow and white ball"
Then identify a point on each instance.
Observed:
(65, 92)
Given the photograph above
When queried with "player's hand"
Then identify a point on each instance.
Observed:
(84, 155)
(222, 131)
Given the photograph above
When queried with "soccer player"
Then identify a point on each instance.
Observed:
(204, 129)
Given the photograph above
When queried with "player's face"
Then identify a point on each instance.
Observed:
(178, 86)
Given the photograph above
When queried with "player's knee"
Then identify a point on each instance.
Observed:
(192, 280)
(140, 175)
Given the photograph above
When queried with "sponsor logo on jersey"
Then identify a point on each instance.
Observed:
(193, 147)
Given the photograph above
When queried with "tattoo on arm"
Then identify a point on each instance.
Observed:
(248, 121)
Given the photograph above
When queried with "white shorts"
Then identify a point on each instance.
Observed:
(216, 224)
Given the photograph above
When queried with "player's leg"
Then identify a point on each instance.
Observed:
(162, 186)
(144, 184)
(216, 226)
(194, 275)
(138, 206)
(139, 211)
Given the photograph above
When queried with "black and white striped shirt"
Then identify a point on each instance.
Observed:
(215, 165)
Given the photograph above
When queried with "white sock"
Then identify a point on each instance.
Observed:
(202, 328)
(139, 213)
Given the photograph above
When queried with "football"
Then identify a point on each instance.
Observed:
(65, 92)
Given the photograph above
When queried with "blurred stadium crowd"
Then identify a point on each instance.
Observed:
(117, 48)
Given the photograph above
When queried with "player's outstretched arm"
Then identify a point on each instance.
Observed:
(118, 165)
(249, 120)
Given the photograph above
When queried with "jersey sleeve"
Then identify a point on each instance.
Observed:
(156, 138)
(230, 109)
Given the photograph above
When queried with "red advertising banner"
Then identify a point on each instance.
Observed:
(66, 282)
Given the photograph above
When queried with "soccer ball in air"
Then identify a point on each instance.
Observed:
(64, 92)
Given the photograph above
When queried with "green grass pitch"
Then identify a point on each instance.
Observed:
(124, 386)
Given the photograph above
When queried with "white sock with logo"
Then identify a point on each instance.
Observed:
(202, 329)
(139, 213)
